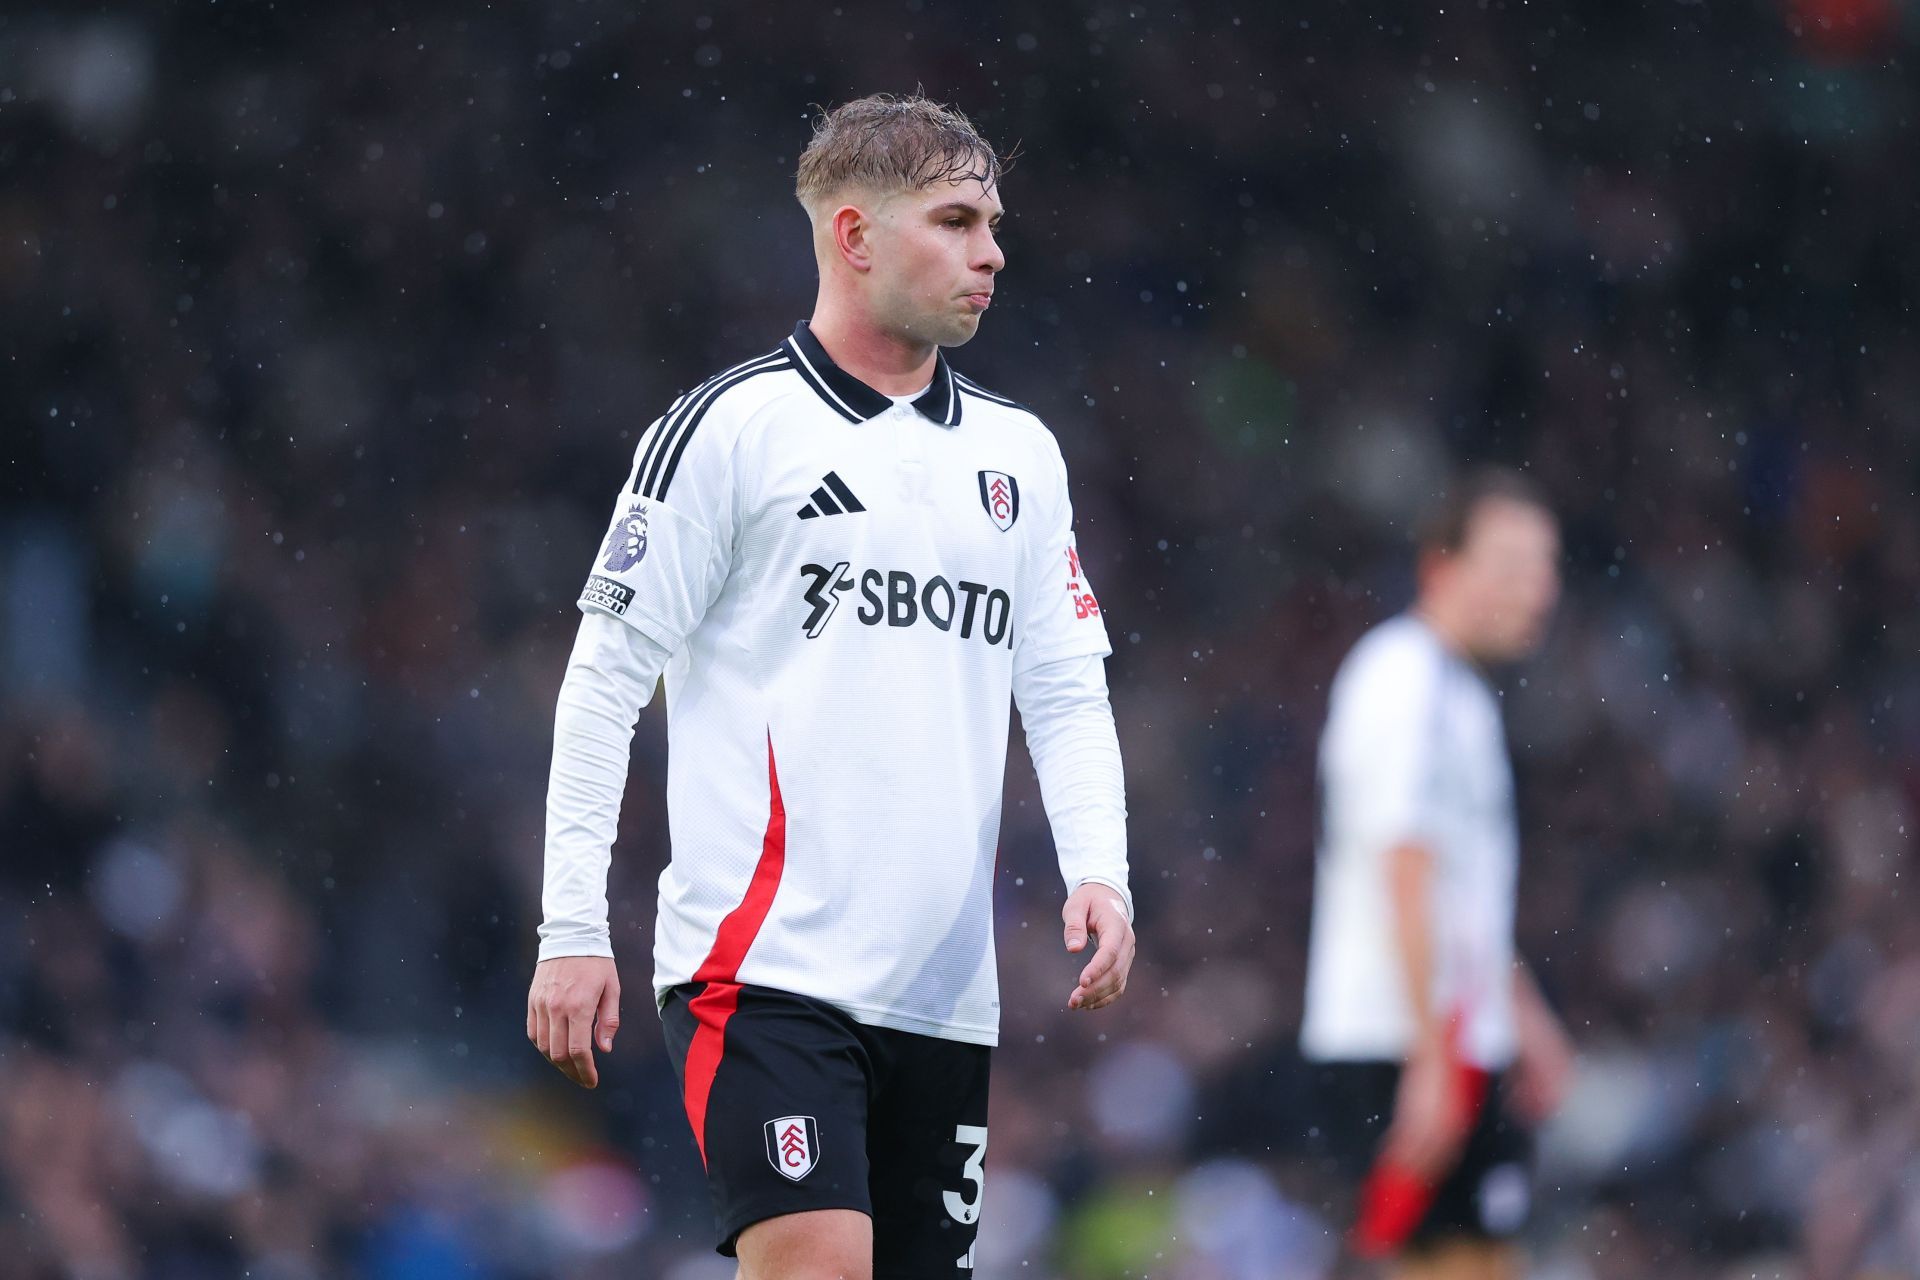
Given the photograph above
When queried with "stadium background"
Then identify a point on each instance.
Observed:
(326, 335)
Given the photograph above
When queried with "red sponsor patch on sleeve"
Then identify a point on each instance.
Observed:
(1084, 604)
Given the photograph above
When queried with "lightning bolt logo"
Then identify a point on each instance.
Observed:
(823, 595)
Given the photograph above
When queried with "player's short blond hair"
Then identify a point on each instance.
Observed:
(886, 144)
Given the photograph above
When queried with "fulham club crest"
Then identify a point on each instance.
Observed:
(1000, 495)
(793, 1145)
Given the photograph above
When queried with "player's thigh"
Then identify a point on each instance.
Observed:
(823, 1244)
(1486, 1199)
(776, 1088)
(1461, 1260)
(927, 1147)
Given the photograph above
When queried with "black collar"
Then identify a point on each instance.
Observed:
(853, 399)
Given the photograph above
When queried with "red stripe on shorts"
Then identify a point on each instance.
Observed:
(714, 1006)
(1394, 1200)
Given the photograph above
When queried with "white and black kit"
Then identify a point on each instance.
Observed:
(1414, 751)
(844, 592)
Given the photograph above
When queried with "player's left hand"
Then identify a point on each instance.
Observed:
(1096, 910)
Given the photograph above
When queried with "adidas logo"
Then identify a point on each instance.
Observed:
(832, 498)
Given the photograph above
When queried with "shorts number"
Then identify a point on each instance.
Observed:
(967, 1212)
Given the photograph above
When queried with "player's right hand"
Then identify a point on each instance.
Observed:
(1096, 911)
(573, 1004)
(1430, 1124)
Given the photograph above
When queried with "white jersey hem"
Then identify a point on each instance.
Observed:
(891, 1019)
(894, 1020)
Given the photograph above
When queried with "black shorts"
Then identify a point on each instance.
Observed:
(1486, 1196)
(795, 1106)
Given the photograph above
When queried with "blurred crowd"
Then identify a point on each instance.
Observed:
(326, 339)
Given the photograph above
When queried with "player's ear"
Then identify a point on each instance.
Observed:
(852, 236)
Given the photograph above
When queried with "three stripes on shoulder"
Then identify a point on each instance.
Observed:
(660, 458)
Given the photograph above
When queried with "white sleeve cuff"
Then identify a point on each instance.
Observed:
(557, 947)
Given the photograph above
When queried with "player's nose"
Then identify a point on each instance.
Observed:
(987, 257)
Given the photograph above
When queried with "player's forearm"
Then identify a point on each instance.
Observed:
(1526, 993)
(1076, 754)
(1409, 889)
(1532, 1015)
(610, 676)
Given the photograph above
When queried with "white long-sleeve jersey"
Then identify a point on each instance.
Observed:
(842, 593)
(1414, 752)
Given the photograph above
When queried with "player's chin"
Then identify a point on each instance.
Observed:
(1513, 643)
(959, 330)
(1528, 642)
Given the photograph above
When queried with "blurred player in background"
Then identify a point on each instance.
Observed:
(1438, 1053)
(844, 557)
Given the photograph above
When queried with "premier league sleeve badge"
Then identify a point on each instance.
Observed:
(627, 540)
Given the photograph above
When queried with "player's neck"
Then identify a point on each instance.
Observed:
(890, 364)
(1447, 628)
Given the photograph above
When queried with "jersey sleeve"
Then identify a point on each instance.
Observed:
(610, 676)
(1062, 618)
(1383, 749)
(669, 545)
(1076, 756)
